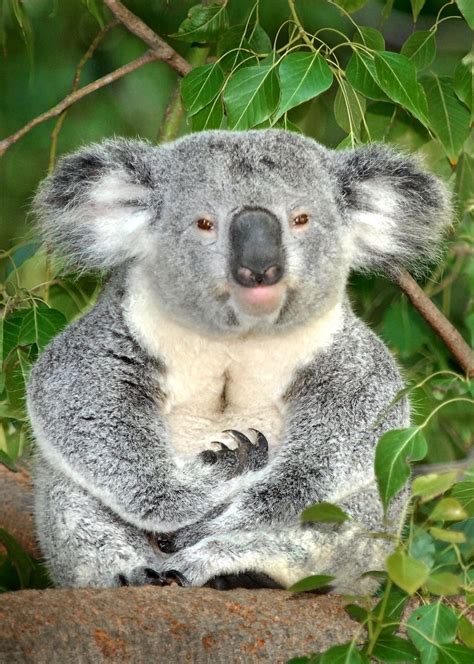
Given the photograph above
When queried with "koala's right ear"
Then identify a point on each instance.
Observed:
(97, 207)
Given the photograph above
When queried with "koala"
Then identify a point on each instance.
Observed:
(222, 382)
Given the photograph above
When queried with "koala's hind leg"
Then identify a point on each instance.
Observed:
(83, 542)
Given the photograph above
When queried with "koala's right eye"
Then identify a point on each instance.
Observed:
(205, 224)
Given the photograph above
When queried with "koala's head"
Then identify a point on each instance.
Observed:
(236, 231)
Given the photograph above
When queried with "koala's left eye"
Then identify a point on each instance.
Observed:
(300, 220)
(205, 224)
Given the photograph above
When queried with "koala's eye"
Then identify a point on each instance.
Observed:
(300, 219)
(205, 224)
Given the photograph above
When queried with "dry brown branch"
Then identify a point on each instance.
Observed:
(438, 321)
(149, 56)
(147, 35)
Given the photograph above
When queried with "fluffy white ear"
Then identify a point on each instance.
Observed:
(96, 209)
(397, 214)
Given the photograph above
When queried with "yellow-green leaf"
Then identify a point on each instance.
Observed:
(443, 583)
(325, 513)
(408, 573)
(432, 485)
(311, 583)
(451, 536)
(251, 96)
(448, 509)
(303, 76)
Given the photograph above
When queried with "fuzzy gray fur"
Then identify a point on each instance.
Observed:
(107, 476)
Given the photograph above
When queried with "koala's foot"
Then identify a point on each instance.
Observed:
(142, 576)
(246, 456)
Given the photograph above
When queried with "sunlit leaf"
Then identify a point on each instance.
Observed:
(20, 255)
(394, 450)
(396, 75)
(448, 509)
(432, 485)
(7, 461)
(251, 96)
(325, 513)
(407, 572)
(431, 625)
(201, 86)
(311, 583)
(443, 583)
(466, 7)
(466, 631)
(449, 118)
(448, 535)
(303, 76)
(420, 47)
(464, 493)
(203, 24)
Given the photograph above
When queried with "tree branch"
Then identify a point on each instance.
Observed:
(147, 35)
(149, 56)
(438, 321)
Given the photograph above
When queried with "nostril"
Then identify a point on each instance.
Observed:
(272, 274)
(245, 276)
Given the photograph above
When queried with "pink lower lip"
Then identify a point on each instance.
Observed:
(260, 299)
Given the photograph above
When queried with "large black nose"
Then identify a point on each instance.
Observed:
(256, 252)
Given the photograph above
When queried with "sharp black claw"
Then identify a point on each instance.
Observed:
(262, 442)
(122, 579)
(153, 577)
(173, 576)
(223, 448)
(239, 437)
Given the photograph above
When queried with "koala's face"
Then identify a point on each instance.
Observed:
(242, 231)
(250, 235)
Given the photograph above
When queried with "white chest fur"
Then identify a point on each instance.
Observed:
(213, 383)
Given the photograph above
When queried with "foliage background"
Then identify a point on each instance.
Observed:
(43, 43)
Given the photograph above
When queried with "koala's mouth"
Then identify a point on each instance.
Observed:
(259, 300)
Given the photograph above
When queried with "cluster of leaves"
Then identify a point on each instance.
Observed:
(432, 560)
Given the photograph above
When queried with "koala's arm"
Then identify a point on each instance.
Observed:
(94, 400)
(334, 418)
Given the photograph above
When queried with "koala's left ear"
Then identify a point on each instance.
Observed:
(397, 213)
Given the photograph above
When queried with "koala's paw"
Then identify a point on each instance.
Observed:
(247, 455)
(141, 576)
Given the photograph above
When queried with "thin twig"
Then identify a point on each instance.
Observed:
(438, 321)
(147, 35)
(149, 56)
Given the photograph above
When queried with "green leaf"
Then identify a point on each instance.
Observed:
(251, 96)
(420, 48)
(311, 583)
(391, 648)
(349, 108)
(303, 76)
(203, 24)
(403, 328)
(443, 583)
(466, 7)
(369, 37)
(396, 75)
(19, 558)
(389, 610)
(324, 513)
(432, 485)
(209, 117)
(357, 612)
(466, 631)
(430, 626)
(455, 653)
(447, 535)
(259, 41)
(361, 74)
(40, 325)
(350, 5)
(408, 573)
(464, 79)
(464, 493)
(20, 255)
(449, 118)
(7, 461)
(11, 330)
(422, 546)
(392, 454)
(416, 7)
(201, 86)
(448, 509)
(344, 654)
(95, 9)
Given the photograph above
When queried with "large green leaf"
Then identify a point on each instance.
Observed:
(464, 493)
(408, 573)
(391, 648)
(201, 86)
(361, 74)
(324, 513)
(448, 509)
(464, 80)
(209, 117)
(396, 75)
(443, 583)
(466, 8)
(392, 454)
(430, 626)
(455, 653)
(344, 654)
(303, 76)
(311, 583)
(420, 48)
(349, 108)
(40, 325)
(251, 96)
(449, 118)
(432, 485)
(203, 24)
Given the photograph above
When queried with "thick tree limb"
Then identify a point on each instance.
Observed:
(149, 56)
(147, 35)
(438, 321)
